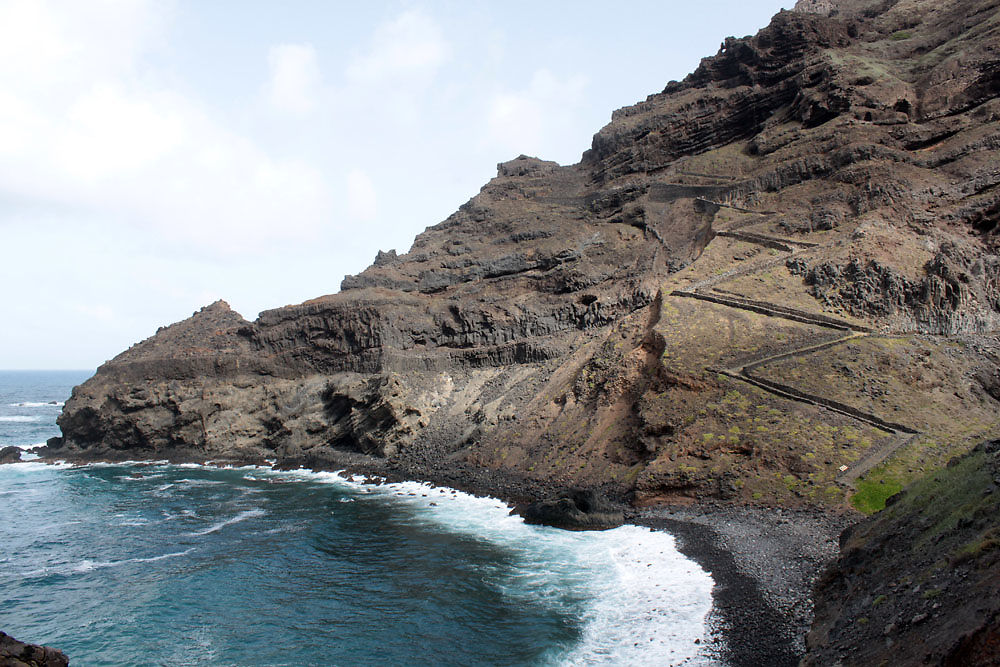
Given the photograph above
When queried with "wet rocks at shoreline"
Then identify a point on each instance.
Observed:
(765, 562)
(575, 509)
(14, 653)
(10, 455)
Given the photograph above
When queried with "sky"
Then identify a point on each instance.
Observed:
(156, 156)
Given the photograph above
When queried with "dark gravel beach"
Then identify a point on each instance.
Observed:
(764, 563)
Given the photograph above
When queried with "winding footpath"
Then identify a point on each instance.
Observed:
(706, 290)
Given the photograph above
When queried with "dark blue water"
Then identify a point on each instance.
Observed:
(188, 565)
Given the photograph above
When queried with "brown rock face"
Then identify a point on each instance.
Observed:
(782, 266)
(10, 455)
(18, 654)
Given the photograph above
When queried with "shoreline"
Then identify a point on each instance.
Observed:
(764, 563)
(763, 560)
(573, 597)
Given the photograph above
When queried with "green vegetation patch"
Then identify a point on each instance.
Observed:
(872, 494)
(950, 499)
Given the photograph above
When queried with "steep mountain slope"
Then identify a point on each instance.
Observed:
(917, 583)
(774, 281)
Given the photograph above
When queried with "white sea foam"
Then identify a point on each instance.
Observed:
(648, 604)
(292, 528)
(27, 447)
(87, 565)
(27, 454)
(35, 466)
(21, 418)
(33, 404)
(650, 608)
(124, 464)
(200, 482)
(242, 516)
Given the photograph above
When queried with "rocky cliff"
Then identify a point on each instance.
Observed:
(775, 281)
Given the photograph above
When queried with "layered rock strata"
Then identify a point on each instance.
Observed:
(838, 167)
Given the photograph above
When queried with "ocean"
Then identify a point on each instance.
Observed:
(157, 564)
(30, 401)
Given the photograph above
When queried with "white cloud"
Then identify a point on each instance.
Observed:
(411, 45)
(110, 130)
(57, 46)
(531, 120)
(295, 84)
(114, 142)
(362, 202)
(515, 122)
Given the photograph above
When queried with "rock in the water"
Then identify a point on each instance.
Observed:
(18, 654)
(575, 509)
(10, 455)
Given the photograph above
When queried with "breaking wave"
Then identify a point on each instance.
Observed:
(242, 516)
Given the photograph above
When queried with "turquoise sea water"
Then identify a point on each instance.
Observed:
(190, 565)
(30, 401)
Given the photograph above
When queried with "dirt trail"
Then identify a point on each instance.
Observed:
(797, 352)
(745, 372)
(873, 457)
(771, 309)
(786, 245)
(738, 272)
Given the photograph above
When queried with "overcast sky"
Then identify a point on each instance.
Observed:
(157, 156)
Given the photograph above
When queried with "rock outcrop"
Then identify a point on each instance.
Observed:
(18, 654)
(575, 509)
(837, 172)
(10, 455)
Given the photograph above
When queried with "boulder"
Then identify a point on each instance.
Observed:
(10, 455)
(575, 509)
(14, 653)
